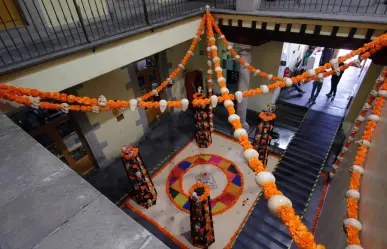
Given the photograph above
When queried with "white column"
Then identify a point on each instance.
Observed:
(243, 81)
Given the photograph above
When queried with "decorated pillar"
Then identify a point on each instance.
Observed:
(263, 132)
(243, 81)
(202, 227)
(202, 123)
(144, 191)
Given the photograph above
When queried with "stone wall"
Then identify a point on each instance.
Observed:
(45, 205)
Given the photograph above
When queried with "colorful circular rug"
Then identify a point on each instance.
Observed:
(220, 203)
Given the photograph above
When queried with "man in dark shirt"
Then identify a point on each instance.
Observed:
(334, 83)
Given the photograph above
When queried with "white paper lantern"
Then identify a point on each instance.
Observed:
(288, 82)
(250, 153)
(264, 89)
(357, 168)
(239, 132)
(373, 117)
(133, 104)
(239, 96)
(353, 222)
(227, 103)
(277, 201)
(353, 194)
(214, 100)
(184, 104)
(263, 177)
(233, 117)
(163, 105)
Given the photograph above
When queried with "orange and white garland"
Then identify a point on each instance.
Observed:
(358, 122)
(278, 203)
(352, 225)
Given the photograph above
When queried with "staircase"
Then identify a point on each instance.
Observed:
(296, 175)
(289, 116)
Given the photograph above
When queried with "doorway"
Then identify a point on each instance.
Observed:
(148, 76)
(60, 135)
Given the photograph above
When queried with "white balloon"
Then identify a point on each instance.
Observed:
(373, 117)
(264, 89)
(357, 168)
(288, 82)
(228, 102)
(233, 117)
(239, 132)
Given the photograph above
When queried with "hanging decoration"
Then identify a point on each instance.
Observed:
(202, 123)
(358, 122)
(145, 193)
(352, 225)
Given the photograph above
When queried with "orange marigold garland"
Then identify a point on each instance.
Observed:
(352, 225)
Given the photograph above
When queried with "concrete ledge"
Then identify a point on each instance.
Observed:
(45, 204)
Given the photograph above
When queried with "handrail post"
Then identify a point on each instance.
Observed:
(145, 12)
(78, 10)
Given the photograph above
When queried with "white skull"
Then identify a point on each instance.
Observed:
(380, 79)
(364, 143)
(355, 128)
(208, 7)
(366, 106)
(150, 202)
(155, 92)
(356, 62)
(95, 109)
(170, 82)
(374, 93)
(102, 101)
(360, 118)
(337, 71)
(138, 175)
(35, 102)
(65, 107)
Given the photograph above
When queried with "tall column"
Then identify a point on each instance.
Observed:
(243, 81)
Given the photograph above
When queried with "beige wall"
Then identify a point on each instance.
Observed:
(75, 69)
(266, 58)
(113, 86)
(299, 52)
(366, 86)
(62, 12)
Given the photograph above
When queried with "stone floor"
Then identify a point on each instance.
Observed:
(348, 85)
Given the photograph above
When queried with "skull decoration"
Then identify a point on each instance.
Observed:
(170, 82)
(155, 93)
(360, 118)
(374, 93)
(366, 106)
(197, 227)
(64, 107)
(35, 102)
(102, 101)
(150, 203)
(139, 176)
(208, 7)
(381, 79)
(355, 128)
(95, 109)
(364, 143)
(356, 62)
(337, 71)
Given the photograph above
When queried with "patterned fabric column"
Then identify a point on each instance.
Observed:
(202, 227)
(202, 123)
(144, 191)
(262, 136)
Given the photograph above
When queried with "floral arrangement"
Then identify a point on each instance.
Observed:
(352, 224)
(267, 116)
(199, 185)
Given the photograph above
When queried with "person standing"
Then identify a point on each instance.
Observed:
(334, 83)
(317, 85)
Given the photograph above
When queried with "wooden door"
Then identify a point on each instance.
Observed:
(63, 139)
(10, 16)
(147, 76)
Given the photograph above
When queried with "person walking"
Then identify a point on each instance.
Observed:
(317, 85)
(334, 83)
(288, 73)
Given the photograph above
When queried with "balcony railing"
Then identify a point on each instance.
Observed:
(34, 31)
(347, 7)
